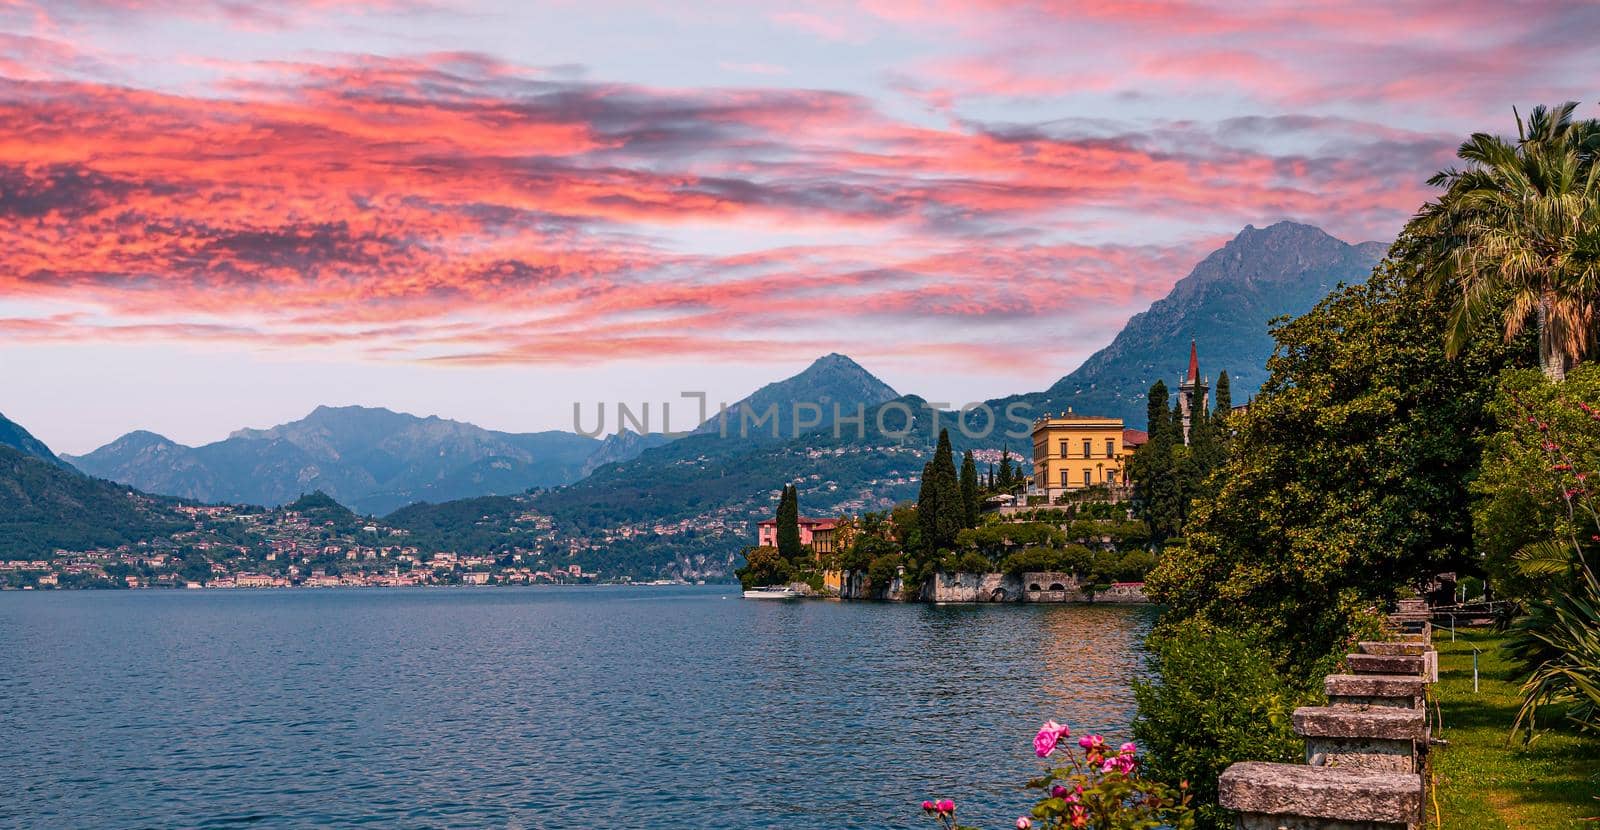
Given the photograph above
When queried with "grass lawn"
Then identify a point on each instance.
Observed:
(1483, 782)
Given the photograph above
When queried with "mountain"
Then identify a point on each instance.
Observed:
(830, 382)
(689, 501)
(373, 460)
(1224, 306)
(14, 436)
(622, 445)
(44, 506)
(686, 508)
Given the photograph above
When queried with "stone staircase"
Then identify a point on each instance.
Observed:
(1366, 751)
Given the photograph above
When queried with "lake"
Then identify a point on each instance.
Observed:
(658, 707)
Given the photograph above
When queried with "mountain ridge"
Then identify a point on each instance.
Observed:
(13, 435)
(371, 458)
(833, 379)
(1224, 305)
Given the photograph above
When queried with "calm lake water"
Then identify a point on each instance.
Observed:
(537, 708)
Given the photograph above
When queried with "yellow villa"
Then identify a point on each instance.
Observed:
(1072, 451)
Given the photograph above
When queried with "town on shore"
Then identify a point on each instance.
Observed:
(312, 543)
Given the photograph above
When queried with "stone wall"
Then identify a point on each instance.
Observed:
(995, 587)
(853, 585)
(966, 587)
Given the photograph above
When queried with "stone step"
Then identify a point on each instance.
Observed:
(1391, 648)
(1377, 738)
(1409, 664)
(1385, 722)
(1405, 691)
(1270, 796)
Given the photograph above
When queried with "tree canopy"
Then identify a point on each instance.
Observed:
(1349, 474)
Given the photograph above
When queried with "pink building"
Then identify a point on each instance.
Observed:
(818, 533)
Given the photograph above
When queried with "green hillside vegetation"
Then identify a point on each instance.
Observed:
(44, 507)
(320, 508)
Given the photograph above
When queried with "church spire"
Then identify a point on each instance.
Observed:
(1192, 392)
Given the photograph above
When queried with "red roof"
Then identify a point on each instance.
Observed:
(1194, 363)
(1134, 437)
(814, 524)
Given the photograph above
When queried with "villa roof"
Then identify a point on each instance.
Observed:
(814, 524)
(1075, 416)
(1134, 437)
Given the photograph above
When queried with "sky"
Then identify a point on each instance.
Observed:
(218, 214)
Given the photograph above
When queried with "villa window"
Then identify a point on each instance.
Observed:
(1065, 482)
(1087, 453)
(1111, 448)
(1064, 452)
(1111, 476)
(1088, 477)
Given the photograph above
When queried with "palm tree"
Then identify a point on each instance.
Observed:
(1519, 228)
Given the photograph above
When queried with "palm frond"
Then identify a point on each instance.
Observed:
(1546, 558)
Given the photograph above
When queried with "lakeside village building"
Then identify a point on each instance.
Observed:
(1073, 452)
(820, 534)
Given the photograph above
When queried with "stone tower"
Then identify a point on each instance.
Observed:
(1193, 392)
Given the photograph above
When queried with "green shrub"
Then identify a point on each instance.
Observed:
(997, 539)
(1074, 559)
(883, 570)
(1218, 700)
(972, 563)
(763, 566)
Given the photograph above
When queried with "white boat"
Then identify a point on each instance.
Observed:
(772, 592)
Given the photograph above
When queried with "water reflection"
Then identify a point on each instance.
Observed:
(672, 708)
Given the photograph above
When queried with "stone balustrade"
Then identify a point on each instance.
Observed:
(1366, 751)
(1294, 797)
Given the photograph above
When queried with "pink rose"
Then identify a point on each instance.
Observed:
(1058, 791)
(927, 806)
(947, 806)
(1129, 748)
(1023, 823)
(1121, 763)
(1049, 735)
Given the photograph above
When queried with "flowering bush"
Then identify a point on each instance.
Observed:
(1095, 788)
(1540, 471)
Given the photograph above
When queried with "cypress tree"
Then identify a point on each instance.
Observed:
(1221, 432)
(991, 478)
(1006, 479)
(969, 489)
(952, 512)
(1156, 410)
(1155, 470)
(928, 508)
(789, 524)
